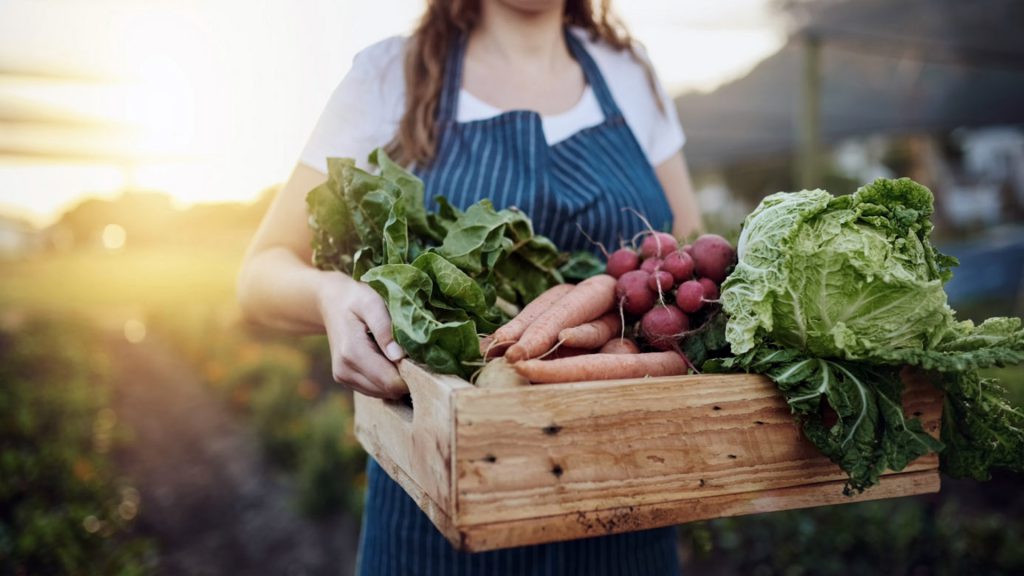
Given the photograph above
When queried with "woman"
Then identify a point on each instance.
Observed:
(543, 104)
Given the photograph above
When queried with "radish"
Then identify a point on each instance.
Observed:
(621, 261)
(690, 296)
(660, 282)
(710, 288)
(633, 294)
(712, 257)
(658, 244)
(662, 325)
(679, 264)
(651, 265)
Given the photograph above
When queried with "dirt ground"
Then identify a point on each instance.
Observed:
(210, 500)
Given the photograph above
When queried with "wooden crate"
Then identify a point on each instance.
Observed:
(495, 468)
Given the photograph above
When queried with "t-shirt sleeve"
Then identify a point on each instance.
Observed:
(666, 135)
(363, 111)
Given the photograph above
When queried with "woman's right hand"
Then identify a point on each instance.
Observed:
(358, 330)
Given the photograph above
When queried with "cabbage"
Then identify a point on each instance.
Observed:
(832, 296)
(839, 276)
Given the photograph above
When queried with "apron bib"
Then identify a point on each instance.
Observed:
(586, 180)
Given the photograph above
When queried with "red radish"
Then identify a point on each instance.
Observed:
(658, 244)
(710, 288)
(651, 265)
(688, 248)
(662, 325)
(679, 264)
(632, 292)
(690, 296)
(621, 261)
(619, 346)
(712, 257)
(660, 282)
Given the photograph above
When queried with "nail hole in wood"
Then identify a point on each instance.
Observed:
(557, 470)
(759, 423)
(717, 407)
(490, 458)
(732, 456)
(552, 429)
(701, 482)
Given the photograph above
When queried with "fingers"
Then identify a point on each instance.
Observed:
(357, 363)
(374, 314)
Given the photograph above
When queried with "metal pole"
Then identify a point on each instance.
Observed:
(808, 169)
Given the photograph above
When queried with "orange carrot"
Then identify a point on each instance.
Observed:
(588, 301)
(620, 346)
(592, 335)
(602, 367)
(510, 332)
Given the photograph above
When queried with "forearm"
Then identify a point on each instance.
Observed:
(279, 290)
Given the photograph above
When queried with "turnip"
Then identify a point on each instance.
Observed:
(710, 288)
(662, 326)
(651, 265)
(633, 294)
(621, 261)
(660, 282)
(658, 244)
(679, 264)
(712, 257)
(690, 296)
(499, 374)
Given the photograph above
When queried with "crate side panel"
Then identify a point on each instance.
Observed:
(560, 449)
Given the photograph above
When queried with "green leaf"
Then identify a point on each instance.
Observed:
(580, 266)
(445, 346)
(980, 427)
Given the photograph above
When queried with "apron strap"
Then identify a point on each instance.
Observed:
(452, 80)
(593, 76)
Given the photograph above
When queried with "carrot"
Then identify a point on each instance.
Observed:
(602, 367)
(620, 346)
(510, 332)
(587, 301)
(592, 335)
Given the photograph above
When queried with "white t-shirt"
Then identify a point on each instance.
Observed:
(364, 111)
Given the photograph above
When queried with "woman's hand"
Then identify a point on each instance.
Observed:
(358, 329)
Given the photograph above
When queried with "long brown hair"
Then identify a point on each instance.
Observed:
(427, 51)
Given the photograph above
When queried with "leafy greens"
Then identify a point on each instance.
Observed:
(440, 273)
(831, 296)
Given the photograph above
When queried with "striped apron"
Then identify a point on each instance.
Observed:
(584, 182)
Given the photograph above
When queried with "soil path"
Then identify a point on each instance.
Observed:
(209, 498)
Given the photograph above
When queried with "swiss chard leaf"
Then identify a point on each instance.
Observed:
(445, 346)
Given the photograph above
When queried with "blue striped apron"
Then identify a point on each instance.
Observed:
(587, 179)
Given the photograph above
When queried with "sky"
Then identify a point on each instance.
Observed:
(213, 100)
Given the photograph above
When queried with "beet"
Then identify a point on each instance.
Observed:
(712, 257)
(679, 264)
(710, 288)
(662, 326)
(621, 261)
(632, 292)
(690, 296)
(658, 244)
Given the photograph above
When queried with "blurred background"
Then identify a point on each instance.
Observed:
(144, 429)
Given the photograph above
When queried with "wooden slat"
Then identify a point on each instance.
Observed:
(496, 535)
(417, 441)
(562, 449)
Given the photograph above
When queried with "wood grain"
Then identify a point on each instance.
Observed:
(495, 468)
(542, 451)
(483, 537)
